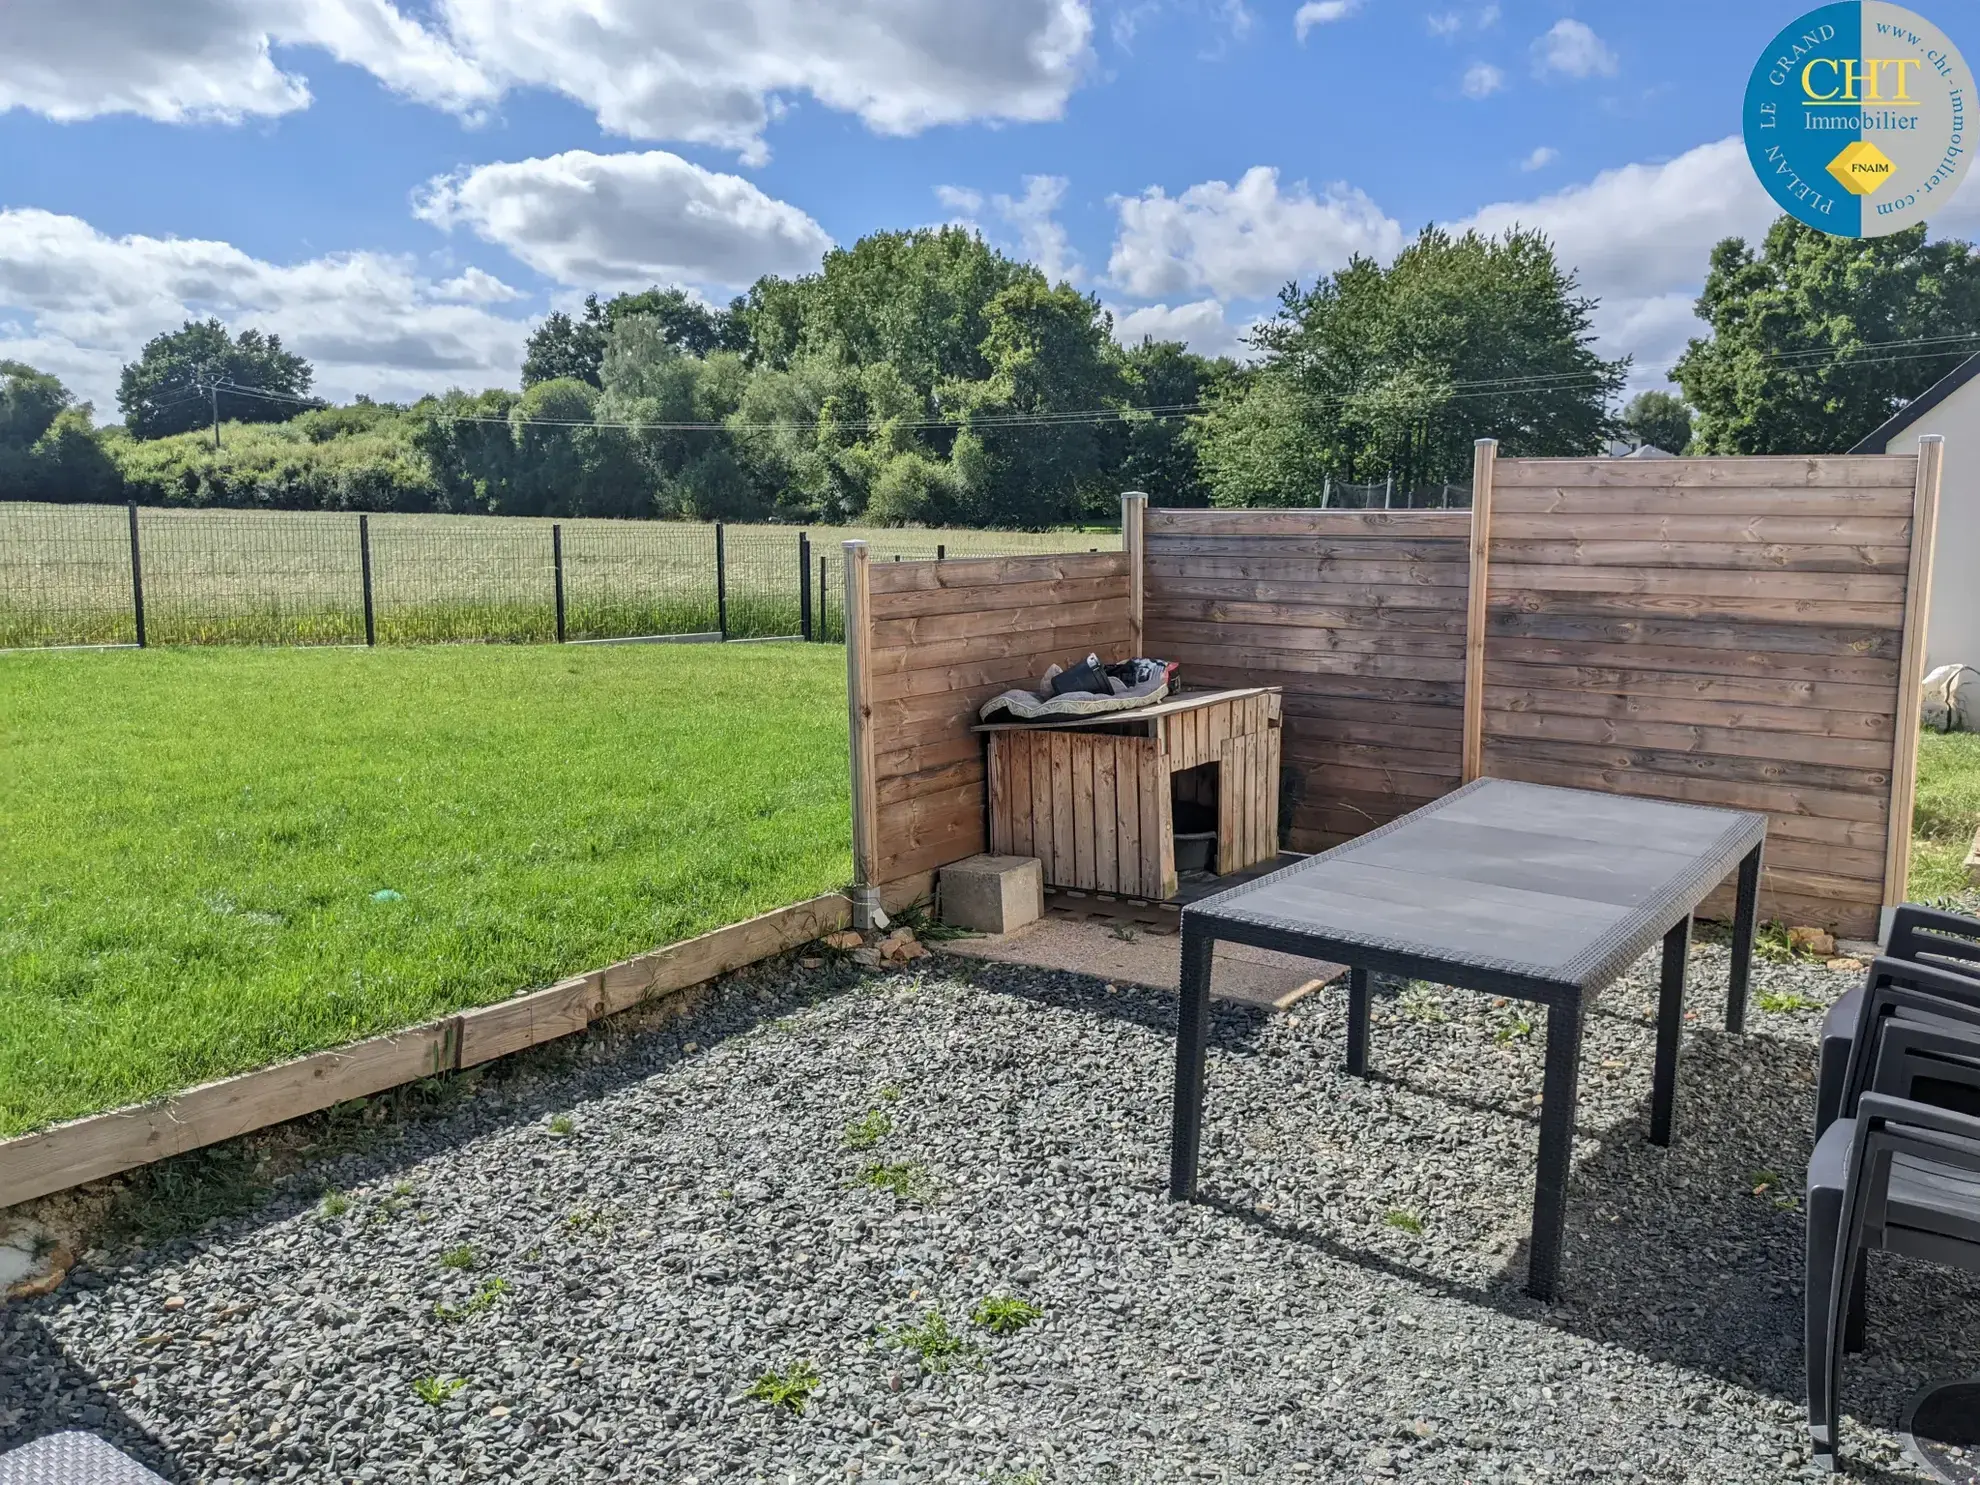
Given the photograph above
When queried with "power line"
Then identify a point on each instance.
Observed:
(1535, 383)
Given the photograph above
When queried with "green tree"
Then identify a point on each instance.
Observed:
(1396, 371)
(48, 448)
(574, 346)
(1049, 351)
(1660, 419)
(1817, 339)
(171, 387)
(467, 441)
(30, 401)
(1153, 449)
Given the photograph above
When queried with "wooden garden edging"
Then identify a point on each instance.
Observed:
(101, 1145)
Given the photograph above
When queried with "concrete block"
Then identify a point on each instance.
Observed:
(993, 894)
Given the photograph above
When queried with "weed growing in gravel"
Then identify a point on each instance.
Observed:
(1004, 1314)
(1782, 1002)
(1516, 1028)
(907, 1180)
(891, 1094)
(868, 1130)
(1023, 1477)
(590, 1219)
(934, 1342)
(433, 1391)
(1403, 1221)
(562, 1124)
(1125, 932)
(790, 1388)
(484, 1298)
(463, 1257)
(1421, 1002)
(333, 1205)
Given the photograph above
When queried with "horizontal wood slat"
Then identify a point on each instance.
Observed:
(1723, 631)
(992, 572)
(947, 636)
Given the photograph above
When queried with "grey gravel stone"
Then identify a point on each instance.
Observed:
(704, 1222)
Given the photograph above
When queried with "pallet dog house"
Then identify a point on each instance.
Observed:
(1746, 632)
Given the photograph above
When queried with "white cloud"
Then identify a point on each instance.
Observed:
(1640, 237)
(1043, 238)
(709, 73)
(1572, 49)
(1322, 13)
(1446, 24)
(960, 199)
(77, 302)
(1482, 80)
(472, 286)
(180, 60)
(1201, 325)
(627, 221)
(1242, 241)
(1542, 156)
(718, 73)
(1488, 17)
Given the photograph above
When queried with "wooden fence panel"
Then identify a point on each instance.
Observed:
(1358, 615)
(942, 639)
(1725, 631)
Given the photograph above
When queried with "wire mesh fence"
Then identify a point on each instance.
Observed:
(93, 575)
(1391, 495)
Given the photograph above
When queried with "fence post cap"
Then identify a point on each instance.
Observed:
(853, 545)
(1486, 443)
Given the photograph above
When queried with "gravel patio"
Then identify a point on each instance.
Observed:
(632, 1238)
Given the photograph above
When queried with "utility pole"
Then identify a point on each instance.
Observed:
(214, 388)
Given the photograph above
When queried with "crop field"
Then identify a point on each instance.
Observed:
(215, 859)
(296, 577)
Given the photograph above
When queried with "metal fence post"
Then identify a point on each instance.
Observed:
(941, 551)
(557, 569)
(804, 585)
(137, 578)
(364, 577)
(824, 621)
(721, 585)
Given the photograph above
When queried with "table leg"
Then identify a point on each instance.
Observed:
(1192, 1035)
(1357, 1023)
(1557, 1108)
(1670, 1031)
(1746, 918)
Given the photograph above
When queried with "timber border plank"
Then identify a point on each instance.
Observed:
(87, 1149)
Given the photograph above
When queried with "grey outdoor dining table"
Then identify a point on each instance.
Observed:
(1514, 889)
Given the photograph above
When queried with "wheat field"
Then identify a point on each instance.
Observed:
(295, 577)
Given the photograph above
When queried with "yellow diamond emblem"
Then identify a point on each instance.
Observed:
(1862, 167)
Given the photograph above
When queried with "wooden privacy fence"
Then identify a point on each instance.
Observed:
(927, 643)
(1744, 632)
(1358, 615)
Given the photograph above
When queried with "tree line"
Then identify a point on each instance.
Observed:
(924, 377)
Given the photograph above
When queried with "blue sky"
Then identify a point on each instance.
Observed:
(401, 187)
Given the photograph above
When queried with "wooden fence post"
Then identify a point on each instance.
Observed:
(1484, 457)
(1911, 672)
(859, 719)
(1134, 526)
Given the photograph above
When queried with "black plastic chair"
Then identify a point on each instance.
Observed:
(1899, 1175)
(1924, 937)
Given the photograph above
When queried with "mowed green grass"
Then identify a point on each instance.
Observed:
(193, 842)
(1947, 812)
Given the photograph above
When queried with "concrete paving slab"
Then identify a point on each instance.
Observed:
(1257, 977)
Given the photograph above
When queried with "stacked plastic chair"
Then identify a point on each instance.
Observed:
(1897, 1157)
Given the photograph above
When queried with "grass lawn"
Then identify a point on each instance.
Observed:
(214, 859)
(1943, 823)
